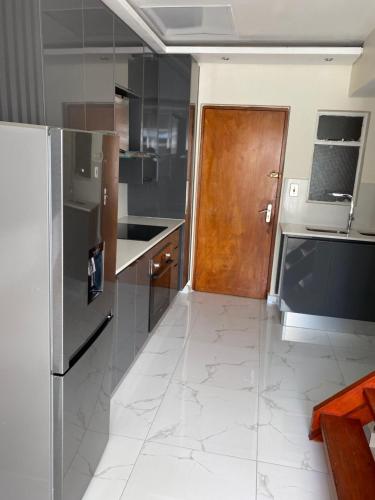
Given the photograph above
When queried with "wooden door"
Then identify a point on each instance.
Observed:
(241, 165)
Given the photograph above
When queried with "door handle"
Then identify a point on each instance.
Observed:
(274, 175)
(105, 197)
(268, 212)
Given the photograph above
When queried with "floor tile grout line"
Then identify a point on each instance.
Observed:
(214, 453)
(315, 471)
(153, 420)
(258, 402)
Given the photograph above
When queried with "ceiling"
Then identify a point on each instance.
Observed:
(259, 22)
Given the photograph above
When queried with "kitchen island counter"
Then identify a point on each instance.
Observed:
(301, 231)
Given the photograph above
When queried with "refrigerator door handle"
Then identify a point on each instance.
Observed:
(86, 346)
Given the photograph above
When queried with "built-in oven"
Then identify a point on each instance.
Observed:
(161, 283)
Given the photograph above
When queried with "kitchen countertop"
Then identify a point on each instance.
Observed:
(299, 230)
(129, 251)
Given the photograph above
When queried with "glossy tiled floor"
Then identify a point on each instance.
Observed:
(217, 406)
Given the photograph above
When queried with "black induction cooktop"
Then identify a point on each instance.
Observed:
(140, 232)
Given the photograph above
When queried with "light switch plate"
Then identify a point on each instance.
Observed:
(293, 189)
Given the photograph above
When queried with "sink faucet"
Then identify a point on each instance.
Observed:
(348, 197)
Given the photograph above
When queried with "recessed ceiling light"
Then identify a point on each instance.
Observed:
(225, 58)
(328, 59)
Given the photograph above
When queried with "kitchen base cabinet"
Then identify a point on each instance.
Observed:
(331, 278)
(123, 347)
(142, 302)
(132, 304)
(136, 299)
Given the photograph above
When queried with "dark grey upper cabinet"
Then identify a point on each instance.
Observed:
(63, 44)
(98, 29)
(87, 50)
(166, 196)
(150, 104)
(21, 80)
(135, 72)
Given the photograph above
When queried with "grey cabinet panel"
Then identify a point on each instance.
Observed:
(98, 42)
(64, 76)
(329, 278)
(174, 281)
(150, 104)
(166, 197)
(134, 302)
(135, 105)
(124, 345)
(306, 275)
(142, 303)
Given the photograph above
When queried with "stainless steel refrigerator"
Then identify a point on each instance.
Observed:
(58, 223)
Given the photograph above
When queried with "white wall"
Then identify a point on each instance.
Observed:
(305, 89)
(363, 74)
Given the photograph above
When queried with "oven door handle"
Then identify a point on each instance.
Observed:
(164, 271)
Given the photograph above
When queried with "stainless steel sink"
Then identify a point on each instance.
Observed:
(366, 234)
(325, 230)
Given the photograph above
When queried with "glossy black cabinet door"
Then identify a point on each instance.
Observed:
(98, 42)
(166, 197)
(63, 49)
(142, 306)
(306, 277)
(135, 104)
(150, 104)
(329, 278)
(21, 74)
(123, 348)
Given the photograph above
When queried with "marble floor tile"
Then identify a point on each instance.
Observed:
(213, 364)
(108, 489)
(251, 309)
(208, 419)
(354, 355)
(352, 341)
(241, 337)
(354, 370)
(283, 483)
(209, 299)
(159, 356)
(300, 377)
(227, 318)
(173, 331)
(135, 403)
(168, 472)
(283, 434)
(118, 458)
(181, 314)
(295, 341)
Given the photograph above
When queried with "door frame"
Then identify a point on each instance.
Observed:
(204, 108)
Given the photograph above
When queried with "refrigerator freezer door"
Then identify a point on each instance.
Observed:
(84, 170)
(81, 418)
